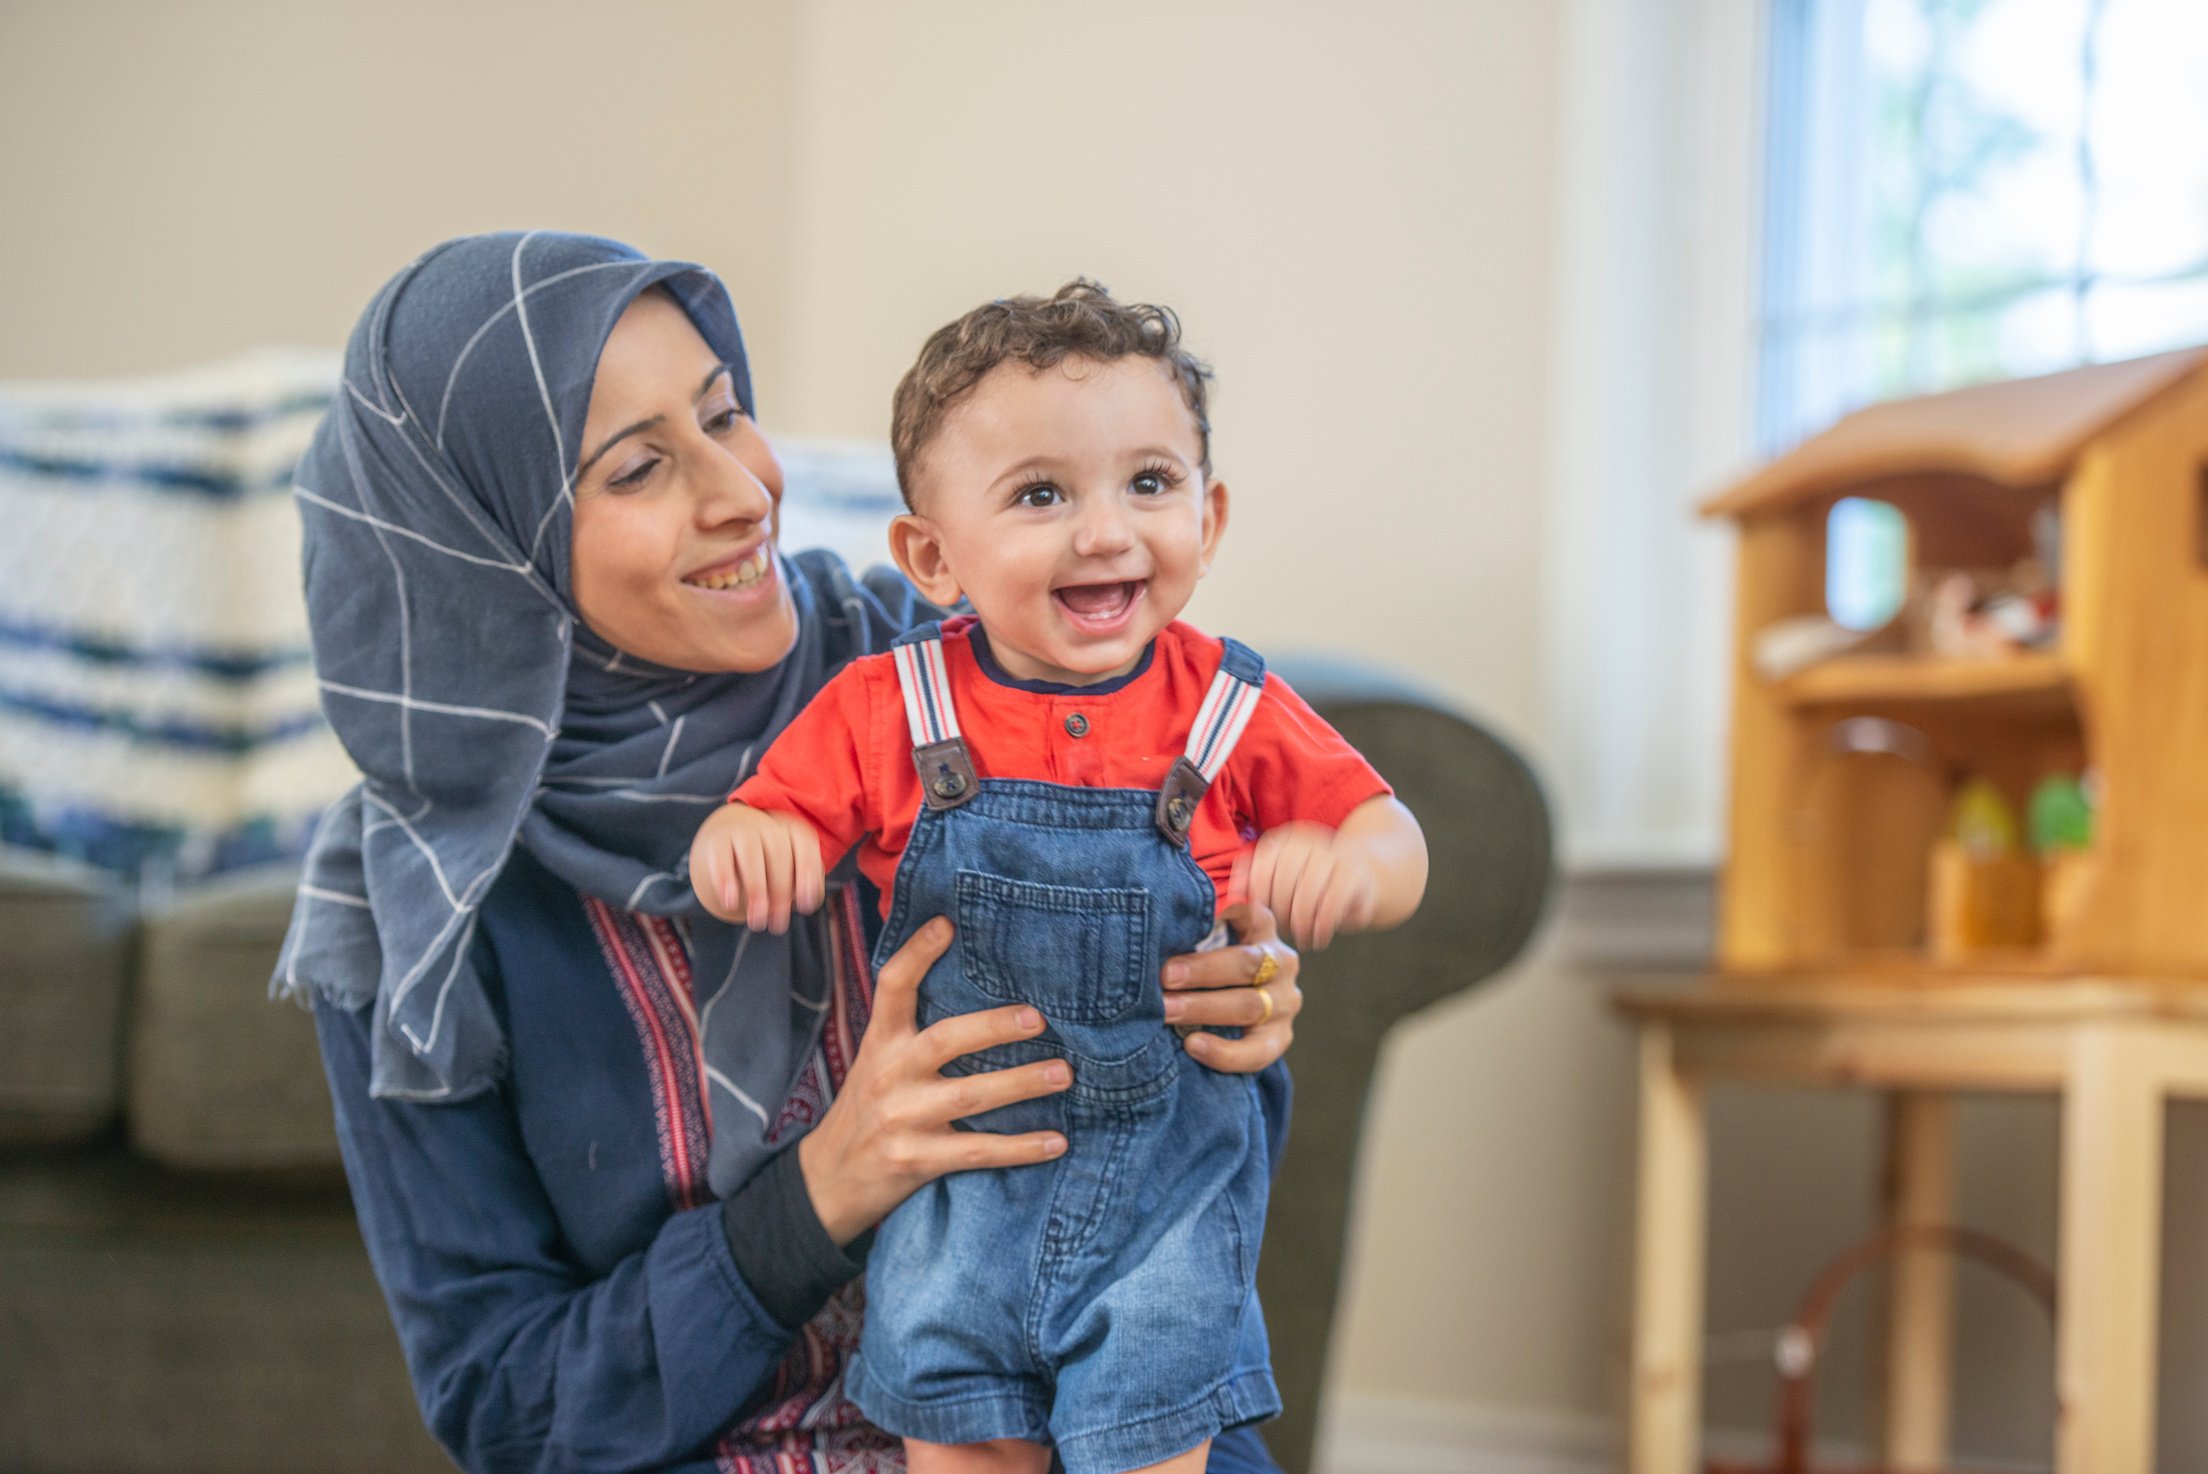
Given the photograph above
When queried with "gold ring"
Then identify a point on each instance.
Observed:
(1267, 1016)
(1268, 968)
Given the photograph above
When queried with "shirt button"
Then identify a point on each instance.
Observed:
(1077, 725)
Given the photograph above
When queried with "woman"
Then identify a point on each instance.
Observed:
(616, 1163)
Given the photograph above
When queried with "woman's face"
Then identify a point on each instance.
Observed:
(674, 505)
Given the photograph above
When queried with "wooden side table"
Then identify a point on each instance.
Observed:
(2114, 1052)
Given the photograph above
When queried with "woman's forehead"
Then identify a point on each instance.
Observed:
(654, 355)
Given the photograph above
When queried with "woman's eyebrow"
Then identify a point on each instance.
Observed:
(620, 435)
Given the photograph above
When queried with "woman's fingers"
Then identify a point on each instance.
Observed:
(897, 986)
(1232, 1008)
(968, 1033)
(1234, 967)
(967, 1151)
(956, 1097)
(1212, 990)
(1255, 1050)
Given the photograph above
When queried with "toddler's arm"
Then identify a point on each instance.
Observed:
(755, 865)
(1370, 873)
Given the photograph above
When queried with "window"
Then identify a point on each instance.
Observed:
(1960, 190)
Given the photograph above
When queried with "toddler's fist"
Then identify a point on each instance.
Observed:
(1315, 882)
(754, 867)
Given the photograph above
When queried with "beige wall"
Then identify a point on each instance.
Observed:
(1348, 205)
(185, 180)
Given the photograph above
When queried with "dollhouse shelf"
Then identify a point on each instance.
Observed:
(1874, 680)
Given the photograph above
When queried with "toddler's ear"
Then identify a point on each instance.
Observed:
(1215, 521)
(917, 548)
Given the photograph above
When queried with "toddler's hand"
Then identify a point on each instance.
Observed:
(753, 867)
(1314, 881)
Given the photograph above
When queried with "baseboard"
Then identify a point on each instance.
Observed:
(1373, 1434)
(1368, 1433)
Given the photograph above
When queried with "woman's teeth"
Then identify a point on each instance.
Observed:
(742, 576)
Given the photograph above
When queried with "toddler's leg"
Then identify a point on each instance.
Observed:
(997, 1456)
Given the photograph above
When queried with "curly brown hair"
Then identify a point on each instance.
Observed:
(1080, 320)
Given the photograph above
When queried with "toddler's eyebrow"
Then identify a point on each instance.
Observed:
(1027, 467)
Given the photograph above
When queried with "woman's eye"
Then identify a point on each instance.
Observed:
(721, 421)
(1041, 494)
(635, 476)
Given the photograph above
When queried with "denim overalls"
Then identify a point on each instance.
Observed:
(1103, 1302)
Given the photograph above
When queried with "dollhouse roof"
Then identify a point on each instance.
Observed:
(2022, 433)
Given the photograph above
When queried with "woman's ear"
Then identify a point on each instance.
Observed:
(917, 549)
(1215, 522)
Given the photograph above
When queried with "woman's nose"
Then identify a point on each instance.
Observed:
(728, 490)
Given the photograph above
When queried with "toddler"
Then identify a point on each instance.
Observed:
(1078, 781)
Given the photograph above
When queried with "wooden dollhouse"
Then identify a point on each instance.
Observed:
(1848, 767)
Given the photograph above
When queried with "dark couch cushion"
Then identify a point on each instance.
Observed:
(172, 1323)
(64, 968)
(220, 1076)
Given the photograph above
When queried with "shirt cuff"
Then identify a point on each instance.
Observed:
(779, 1246)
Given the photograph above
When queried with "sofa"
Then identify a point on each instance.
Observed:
(181, 1285)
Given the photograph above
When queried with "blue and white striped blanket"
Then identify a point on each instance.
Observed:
(158, 712)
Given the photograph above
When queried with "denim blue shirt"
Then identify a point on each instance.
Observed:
(556, 1309)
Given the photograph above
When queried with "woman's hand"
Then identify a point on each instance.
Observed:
(889, 1129)
(1232, 987)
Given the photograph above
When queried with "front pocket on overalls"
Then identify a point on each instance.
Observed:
(1077, 954)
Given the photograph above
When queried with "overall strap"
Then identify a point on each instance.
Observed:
(939, 755)
(1234, 694)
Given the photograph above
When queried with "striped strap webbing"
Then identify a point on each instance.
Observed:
(926, 684)
(1219, 722)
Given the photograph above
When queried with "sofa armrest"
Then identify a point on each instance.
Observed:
(1488, 831)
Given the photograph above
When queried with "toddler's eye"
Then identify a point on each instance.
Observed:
(1149, 483)
(1040, 494)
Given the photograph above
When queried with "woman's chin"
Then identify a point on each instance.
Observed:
(759, 643)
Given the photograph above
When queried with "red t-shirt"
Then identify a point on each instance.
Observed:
(845, 764)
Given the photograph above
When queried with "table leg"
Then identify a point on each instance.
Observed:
(1664, 1432)
(2110, 1253)
(1920, 1319)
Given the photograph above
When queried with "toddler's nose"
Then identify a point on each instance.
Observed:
(1103, 530)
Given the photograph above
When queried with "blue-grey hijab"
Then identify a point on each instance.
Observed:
(438, 506)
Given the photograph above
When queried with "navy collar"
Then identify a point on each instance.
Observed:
(987, 660)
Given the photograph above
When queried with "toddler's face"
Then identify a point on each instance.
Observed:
(1070, 505)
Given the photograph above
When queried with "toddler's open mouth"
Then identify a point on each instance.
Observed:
(1100, 607)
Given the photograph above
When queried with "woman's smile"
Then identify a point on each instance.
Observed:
(742, 572)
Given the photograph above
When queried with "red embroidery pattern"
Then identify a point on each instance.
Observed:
(807, 1425)
(649, 961)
